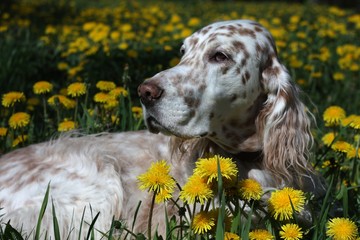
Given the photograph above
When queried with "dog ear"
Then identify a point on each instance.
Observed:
(285, 124)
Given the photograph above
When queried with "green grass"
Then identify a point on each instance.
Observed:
(125, 42)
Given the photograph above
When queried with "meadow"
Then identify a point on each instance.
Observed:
(67, 65)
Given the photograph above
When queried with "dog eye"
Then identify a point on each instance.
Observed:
(219, 57)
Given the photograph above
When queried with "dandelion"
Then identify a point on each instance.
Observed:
(118, 91)
(19, 120)
(231, 236)
(208, 168)
(76, 89)
(9, 99)
(62, 66)
(42, 87)
(19, 139)
(102, 97)
(137, 112)
(260, 234)
(3, 131)
(250, 189)
(61, 99)
(291, 231)
(355, 122)
(341, 229)
(105, 85)
(111, 103)
(163, 195)
(132, 53)
(157, 178)
(328, 139)
(66, 125)
(203, 222)
(342, 146)
(282, 202)
(196, 189)
(333, 115)
(194, 21)
(338, 76)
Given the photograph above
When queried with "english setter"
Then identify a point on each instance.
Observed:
(229, 95)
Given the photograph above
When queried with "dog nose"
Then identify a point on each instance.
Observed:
(149, 92)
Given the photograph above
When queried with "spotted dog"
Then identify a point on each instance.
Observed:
(229, 95)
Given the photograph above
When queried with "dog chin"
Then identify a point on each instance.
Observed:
(154, 126)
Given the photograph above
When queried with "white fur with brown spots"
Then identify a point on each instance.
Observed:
(229, 95)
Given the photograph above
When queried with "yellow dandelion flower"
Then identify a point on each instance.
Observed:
(19, 139)
(281, 202)
(196, 189)
(9, 99)
(260, 234)
(333, 115)
(132, 53)
(341, 229)
(42, 87)
(250, 189)
(231, 236)
(203, 222)
(118, 91)
(19, 120)
(111, 103)
(352, 153)
(208, 168)
(194, 21)
(328, 138)
(157, 178)
(342, 146)
(33, 101)
(137, 112)
(76, 89)
(62, 100)
(163, 195)
(355, 122)
(102, 97)
(291, 231)
(3, 131)
(338, 76)
(62, 66)
(105, 85)
(66, 125)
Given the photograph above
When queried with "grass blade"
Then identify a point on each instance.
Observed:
(42, 213)
(55, 223)
(81, 223)
(91, 228)
(220, 227)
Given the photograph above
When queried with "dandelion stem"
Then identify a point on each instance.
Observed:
(150, 215)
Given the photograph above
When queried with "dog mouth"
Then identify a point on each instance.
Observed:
(154, 126)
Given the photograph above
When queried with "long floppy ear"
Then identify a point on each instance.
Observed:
(285, 125)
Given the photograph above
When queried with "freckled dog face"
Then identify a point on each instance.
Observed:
(215, 88)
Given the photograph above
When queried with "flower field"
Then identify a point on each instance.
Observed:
(68, 65)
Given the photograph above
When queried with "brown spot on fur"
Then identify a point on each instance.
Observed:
(247, 32)
(258, 29)
(243, 62)
(201, 88)
(194, 41)
(245, 77)
(224, 70)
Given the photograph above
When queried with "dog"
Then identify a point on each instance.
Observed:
(229, 95)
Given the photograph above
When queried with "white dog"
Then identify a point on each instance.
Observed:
(229, 95)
